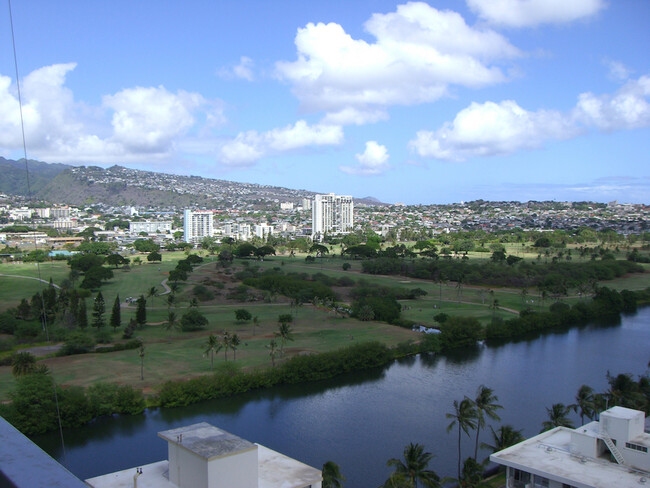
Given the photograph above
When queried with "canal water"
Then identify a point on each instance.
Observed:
(361, 420)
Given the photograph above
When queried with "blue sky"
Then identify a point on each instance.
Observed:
(409, 102)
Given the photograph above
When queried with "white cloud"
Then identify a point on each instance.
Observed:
(491, 129)
(617, 70)
(527, 13)
(243, 70)
(418, 53)
(627, 109)
(145, 123)
(149, 119)
(373, 161)
(250, 146)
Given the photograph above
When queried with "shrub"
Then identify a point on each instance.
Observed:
(77, 343)
(193, 320)
(202, 293)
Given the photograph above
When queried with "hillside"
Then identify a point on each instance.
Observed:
(117, 185)
(14, 180)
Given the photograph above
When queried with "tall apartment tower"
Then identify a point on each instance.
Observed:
(197, 225)
(333, 214)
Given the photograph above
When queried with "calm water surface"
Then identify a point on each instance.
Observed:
(361, 420)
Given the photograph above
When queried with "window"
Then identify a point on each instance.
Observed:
(518, 475)
(540, 482)
(636, 447)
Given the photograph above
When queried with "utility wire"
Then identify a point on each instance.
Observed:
(29, 194)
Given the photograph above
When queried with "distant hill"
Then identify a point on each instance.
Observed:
(13, 179)
(117, 185)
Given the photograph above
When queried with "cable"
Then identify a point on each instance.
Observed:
(29, 194)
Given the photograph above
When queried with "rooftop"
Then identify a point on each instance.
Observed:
(206, 441)
(551, 452)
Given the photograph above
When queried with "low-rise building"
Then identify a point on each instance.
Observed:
(204, 456)
(606, 453)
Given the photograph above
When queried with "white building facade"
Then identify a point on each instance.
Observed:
(332, 214)
(607, 453)
(198, 224)
(150, 227)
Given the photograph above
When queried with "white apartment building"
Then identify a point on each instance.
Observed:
(240, 232)
(263, 230)
(286, 206)
(608, 453)
(203, 456)
(197, 225)
(150, 227)
(60, 213)
(332, 214)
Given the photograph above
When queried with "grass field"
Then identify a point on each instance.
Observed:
(181, 355)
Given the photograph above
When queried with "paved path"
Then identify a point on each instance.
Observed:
(30, 278)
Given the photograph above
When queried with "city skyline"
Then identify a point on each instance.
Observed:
(414, 102)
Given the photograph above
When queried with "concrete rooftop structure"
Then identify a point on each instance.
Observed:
(609, 453)
(204, 456)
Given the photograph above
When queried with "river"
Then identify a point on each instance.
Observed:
(361, 420)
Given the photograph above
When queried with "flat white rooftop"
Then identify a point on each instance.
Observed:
(550, 452)
(275, 470)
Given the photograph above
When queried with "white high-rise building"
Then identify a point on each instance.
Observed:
(332, 214)
(197, 225)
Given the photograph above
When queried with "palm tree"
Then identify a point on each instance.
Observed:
(172, 322)
(213, 346)
(152, 293)
(504, 436)
(414, 466)
(225, 340)
(235, 341)
(273, 350)
(332, 477)
(557, 417)
(141, 354)
(285, 334)
(256, 322)
(472, 475)
(485, 403)
(23, 363)
(585, 402)
(465, 416)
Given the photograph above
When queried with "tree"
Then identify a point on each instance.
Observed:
(116, 316)
(585, 402)
(273, 350)
(99, 307)
(504, 436)
(23, 363)
(242, 315)
(82, 315)
(472, 475)
(193, 320)
(212, 347)
(115, 260)
(464, 417)
(154, 256)
(414, 467)
(172, 322)
(141, 311)
(235, 341)
(256, 322)
(557, 417)
(319, 249)
(141, 354)
(152, 293)
(145, 245)
(94, 276)
(284, 330)
(485, 403)
(332, 477)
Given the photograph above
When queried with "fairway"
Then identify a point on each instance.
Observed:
(181, 355)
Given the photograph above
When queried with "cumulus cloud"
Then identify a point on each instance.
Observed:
(149, 119)
(418, 53)
(627, 109)
(248, 147)
(145, 122)
(527, 13)
(372, 161)
(490, 128)
(243, 70)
